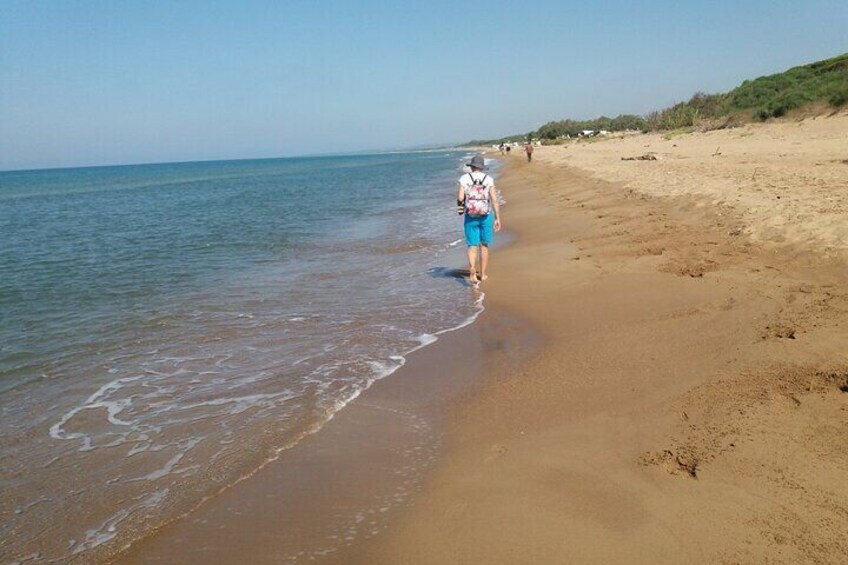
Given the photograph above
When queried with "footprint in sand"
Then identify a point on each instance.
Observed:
(673, 463)
(779, 331)
(496, 452)
(455, 510)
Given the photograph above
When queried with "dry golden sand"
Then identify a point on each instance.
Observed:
(787, 179)
(689, 403)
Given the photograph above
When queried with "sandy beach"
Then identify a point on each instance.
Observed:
(238, 324)
(660, 376)
(689, 403)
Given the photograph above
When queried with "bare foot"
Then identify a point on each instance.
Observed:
(484, 277)
(472, 276)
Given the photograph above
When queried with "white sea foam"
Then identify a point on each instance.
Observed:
(170, 466)
(250, 368)
(109, 528)
(426, 339)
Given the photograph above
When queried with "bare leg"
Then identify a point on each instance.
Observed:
(484, 261)
(472, 263)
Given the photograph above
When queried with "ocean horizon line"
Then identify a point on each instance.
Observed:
(364, 152)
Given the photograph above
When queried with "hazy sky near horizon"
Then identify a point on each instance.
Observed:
(106, 82)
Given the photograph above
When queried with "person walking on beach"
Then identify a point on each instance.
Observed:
(528, 148)
(477, 198)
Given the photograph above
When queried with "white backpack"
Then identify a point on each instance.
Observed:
(477, 197)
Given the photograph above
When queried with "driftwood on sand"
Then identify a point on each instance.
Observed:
(645, 157)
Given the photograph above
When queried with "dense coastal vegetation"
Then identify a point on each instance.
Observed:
(772, 96)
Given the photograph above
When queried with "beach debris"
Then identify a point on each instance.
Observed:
(736, 231)
(726, 124)
(717, 152)
(822, 381)
(650, 156)
(688, 464)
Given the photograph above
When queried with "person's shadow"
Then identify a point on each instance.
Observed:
(459, 275)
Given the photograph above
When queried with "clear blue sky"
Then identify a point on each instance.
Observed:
(85, 82)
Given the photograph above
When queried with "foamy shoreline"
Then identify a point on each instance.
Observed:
(292, 458)
(167, 367)
(690, 377)
(326, 497)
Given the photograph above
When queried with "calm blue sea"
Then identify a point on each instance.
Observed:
(166, 329)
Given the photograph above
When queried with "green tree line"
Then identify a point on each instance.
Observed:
(766, 97)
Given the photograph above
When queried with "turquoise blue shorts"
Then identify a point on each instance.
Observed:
(479, 230)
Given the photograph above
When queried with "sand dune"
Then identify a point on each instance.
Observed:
(788, 179)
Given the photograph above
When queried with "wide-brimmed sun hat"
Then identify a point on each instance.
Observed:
(477, 162)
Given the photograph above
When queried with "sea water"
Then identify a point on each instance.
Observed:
(165, 330)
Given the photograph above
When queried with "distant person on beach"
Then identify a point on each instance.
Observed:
(477, 198)
(502, 148)
(528, 148)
